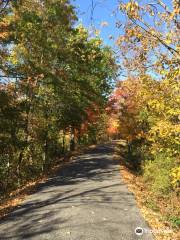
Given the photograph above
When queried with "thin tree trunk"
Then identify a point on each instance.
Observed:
(63, 146)
(72, 140)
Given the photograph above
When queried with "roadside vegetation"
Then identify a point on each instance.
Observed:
(56, 93)
(146, 104)
(55, 79)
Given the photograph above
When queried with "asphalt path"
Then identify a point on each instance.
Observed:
(86, 200)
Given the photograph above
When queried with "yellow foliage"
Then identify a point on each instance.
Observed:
(175, 175)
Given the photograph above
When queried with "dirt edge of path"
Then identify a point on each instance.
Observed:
(16, 197)
(135, 185)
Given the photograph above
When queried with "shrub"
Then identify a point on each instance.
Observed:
(157, 173)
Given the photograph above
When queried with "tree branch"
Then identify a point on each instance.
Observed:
(171, 49)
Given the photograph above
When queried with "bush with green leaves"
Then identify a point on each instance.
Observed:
(157, 173)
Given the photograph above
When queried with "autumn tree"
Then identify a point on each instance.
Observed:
(56, 73)
(149, 96)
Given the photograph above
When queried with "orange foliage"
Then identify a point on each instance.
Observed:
(113, 126)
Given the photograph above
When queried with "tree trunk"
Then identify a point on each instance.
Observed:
(72, 140)
(63, 146)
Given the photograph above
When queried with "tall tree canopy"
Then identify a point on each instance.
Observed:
(54, 74)
(147, 100)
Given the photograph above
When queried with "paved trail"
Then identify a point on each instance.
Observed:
(87, 200)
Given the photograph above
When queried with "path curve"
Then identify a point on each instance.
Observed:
(87, 200)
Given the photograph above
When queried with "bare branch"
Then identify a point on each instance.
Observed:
(3, 5)
(171, 49)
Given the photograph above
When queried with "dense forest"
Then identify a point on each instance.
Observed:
(54, 84)
(57, 90)
(146, 104)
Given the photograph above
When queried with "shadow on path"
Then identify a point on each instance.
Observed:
(88, 181)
